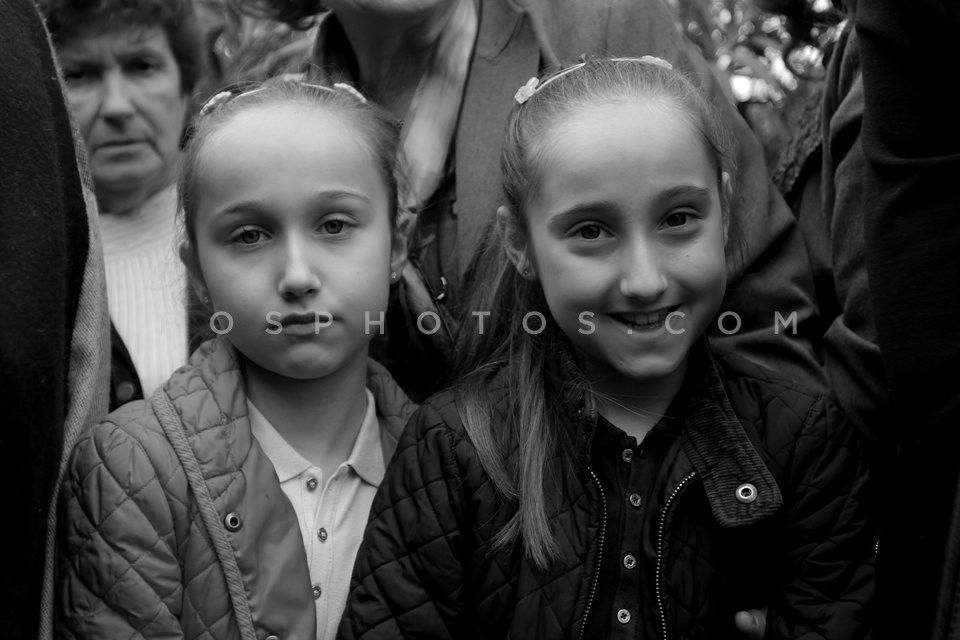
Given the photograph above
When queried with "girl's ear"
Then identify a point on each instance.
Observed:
(515, 242)
(726, 184)
(398, 246)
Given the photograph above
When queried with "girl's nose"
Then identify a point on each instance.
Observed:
(642, 277)
(298, 279)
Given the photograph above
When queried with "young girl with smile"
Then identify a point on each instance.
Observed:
(231, 503)
(607, 477)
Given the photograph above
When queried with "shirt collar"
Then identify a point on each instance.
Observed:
(366, 457)
(288, 463)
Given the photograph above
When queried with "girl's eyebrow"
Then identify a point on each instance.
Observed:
(685, 190)
(568, 216)
(340, 194)
(256, 206)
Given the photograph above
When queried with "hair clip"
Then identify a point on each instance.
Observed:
(533, 85)
(660, 62)
(216, 101)
(343, 86)
(525, 92)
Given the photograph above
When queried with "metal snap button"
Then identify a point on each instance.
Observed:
(311, 484)
(232, 522)
(623, 616)
(322, 534)
(627, 455)
(635, 500)
(317, 591)
(746, 493)
(629, 561)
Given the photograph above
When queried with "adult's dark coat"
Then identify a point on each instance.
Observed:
(53, 319)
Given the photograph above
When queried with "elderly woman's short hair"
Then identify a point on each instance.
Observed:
(178, 18)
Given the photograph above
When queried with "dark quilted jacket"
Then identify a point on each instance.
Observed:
(803, 548)
(173, 523)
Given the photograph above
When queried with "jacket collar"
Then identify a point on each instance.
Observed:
(713, 439)
(211, 404)
(738, 484)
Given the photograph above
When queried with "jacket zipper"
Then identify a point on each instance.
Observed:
(661, 531)
(596, 573)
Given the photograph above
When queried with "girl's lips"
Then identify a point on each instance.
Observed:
(305, 323)
(300, 329)
(307, 317)
(644, 321)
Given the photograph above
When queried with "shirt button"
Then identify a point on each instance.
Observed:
(322, 534)
(623, 616)
(317, 591)
(311, 484)
(629, 561)
(627, 455)
(635, 500)
(125, 391)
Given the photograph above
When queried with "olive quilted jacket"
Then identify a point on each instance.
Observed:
(802, 545)
(172, 520)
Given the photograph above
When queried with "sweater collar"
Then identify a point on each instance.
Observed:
(151, 225)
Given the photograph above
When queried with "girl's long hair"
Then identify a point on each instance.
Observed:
(528, 363)
(538, 392)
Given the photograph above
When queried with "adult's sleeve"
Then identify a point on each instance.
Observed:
(54, 349)
(851, 352)
(911, 140)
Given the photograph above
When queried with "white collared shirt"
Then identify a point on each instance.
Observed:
(332, 509)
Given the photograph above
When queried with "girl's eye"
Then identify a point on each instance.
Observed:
(589, 231)
(333, 227)
(675, 220)
(248, 235)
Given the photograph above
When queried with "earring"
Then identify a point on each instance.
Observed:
(393, 276)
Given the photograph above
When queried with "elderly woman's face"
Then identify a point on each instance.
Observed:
(123, 85)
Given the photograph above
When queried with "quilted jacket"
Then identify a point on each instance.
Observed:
(173, 523)
(803, 547)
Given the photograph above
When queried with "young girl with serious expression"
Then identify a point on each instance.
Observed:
(231, 504)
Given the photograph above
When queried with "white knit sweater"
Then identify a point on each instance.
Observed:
(146, 286)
